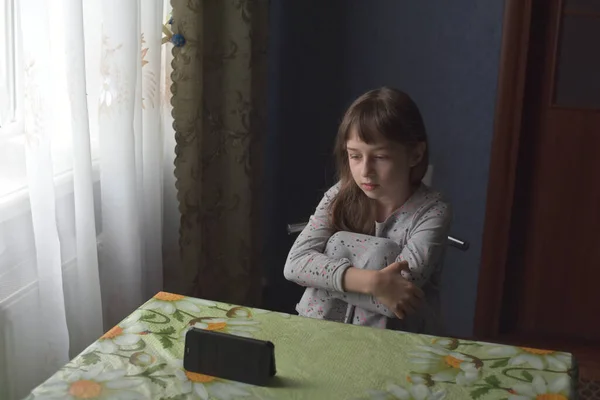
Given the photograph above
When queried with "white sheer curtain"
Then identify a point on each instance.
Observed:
(86, 156)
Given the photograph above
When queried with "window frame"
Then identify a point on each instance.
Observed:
(11, 119)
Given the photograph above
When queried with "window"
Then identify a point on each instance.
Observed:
(12, 163)
(8, 93)
(13, 69)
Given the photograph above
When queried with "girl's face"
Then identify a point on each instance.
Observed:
(382, 169)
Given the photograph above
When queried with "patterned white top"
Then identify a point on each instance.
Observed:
(417, 233)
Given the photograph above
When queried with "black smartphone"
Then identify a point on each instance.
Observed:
(229, 357)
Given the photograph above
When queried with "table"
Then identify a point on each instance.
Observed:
(142, 358)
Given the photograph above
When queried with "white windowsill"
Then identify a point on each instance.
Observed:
(17, 203)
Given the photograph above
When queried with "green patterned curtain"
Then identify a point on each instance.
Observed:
(219, 89)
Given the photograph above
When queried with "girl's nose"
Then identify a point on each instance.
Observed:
(367, 168)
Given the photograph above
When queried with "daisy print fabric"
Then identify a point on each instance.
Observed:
(142, 358)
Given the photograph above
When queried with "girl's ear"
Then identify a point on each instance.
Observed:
(417, 153)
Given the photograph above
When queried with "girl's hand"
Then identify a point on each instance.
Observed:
(395, 292)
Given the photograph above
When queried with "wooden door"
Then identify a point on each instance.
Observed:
(553, 290)
(540, 275)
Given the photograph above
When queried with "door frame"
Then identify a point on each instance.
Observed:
(503, 165)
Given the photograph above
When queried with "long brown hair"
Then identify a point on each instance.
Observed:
(385, 112)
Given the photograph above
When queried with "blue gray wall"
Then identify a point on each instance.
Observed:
(444, 54)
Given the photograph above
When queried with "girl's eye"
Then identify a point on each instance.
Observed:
(381, 157)
(354, 156)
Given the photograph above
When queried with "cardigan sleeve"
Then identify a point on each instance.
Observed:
(426, 241)
(306, 264)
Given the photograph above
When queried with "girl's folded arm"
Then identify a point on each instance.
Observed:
(306, 264)
(426, 243)
(423, 251)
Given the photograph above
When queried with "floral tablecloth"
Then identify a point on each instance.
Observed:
(142, 358)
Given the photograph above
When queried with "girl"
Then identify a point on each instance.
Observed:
(371, 253)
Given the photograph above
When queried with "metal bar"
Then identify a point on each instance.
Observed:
(452, 241)
(458, 243)
(295, 228)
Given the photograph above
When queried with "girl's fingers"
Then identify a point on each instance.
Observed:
(403, 265)
(399, 313)
(408, 308)
(418, 292)
(415, 303)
